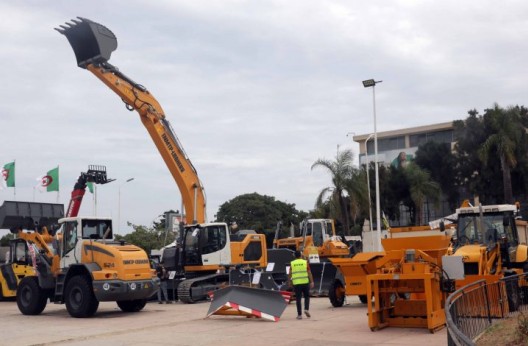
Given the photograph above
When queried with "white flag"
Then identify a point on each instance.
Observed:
(41, 185)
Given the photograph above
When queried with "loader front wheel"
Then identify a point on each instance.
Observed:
(132, 305)
(31, 299)
(514, 296)
(336, 294)
(363, 298)
(79, 298)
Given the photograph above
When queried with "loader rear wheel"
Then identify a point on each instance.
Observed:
(31, 299)
(79, 298)
(132, 305)
(336, 294)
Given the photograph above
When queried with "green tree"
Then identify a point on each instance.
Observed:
(259, 212)
(356, 187)
(4, 241)
(507, 134)
(421, 188)
(439, 161)
(479, 166)
(148, 238)
(340, 171)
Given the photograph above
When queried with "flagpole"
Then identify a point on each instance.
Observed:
(58, 184)
(33, 194)
(14, 182)
(95, 200)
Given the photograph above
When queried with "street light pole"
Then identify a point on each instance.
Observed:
(368, 185)
(119, 204)
(367, 84)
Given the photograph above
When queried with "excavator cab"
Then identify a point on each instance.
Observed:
(91, 42)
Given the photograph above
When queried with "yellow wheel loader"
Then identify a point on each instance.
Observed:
(17, 267)
(319, 244)
(79, 264)
(487, 240)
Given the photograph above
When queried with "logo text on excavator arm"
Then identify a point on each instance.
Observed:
(173, 152)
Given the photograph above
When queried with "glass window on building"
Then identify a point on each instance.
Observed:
(417, 140)
(438, 136)
(386, 144)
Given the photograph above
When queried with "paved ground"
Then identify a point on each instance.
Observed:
(183, 324)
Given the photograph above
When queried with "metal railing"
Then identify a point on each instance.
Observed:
(476, 306)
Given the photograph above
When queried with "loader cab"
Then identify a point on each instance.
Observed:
(18, 252)
(491, 225)
(75, 230)
(319, 229)
(206, 244)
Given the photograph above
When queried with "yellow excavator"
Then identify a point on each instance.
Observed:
(204, 250)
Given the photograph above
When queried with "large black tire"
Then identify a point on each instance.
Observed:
(514, 295)
(336, 294)
(132, 305)
(79, 297)
(31, 299)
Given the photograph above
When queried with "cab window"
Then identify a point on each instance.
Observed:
(69, 237)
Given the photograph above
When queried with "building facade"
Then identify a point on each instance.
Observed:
(397, 148)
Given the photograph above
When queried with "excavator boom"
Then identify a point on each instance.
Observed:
(93, 44)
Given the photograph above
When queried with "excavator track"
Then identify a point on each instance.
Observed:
(196, 289)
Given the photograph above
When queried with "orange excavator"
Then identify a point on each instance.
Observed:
(204, 249)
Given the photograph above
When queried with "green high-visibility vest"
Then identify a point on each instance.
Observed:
(299, 271)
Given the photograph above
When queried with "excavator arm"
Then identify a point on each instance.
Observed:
(93, 44)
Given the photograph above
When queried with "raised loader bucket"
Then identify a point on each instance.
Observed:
(27, 215)
(91, 41)
(249, 302)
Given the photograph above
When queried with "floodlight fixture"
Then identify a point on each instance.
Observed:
(370, 83)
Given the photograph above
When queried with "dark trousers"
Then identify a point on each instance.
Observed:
(302, 290)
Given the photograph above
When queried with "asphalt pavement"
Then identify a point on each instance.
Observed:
(185, 324)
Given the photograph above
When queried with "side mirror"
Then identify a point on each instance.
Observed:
(442, 226)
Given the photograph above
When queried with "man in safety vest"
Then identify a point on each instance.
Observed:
(302, 280)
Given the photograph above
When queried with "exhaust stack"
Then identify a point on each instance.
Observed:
(92, 42)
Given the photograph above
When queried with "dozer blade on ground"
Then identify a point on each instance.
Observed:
(249, 302)
(92, 42)
(27, 215)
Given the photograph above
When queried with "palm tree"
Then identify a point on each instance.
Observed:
(340, 170)
(356, 186)
(421, 187)
(507, 128)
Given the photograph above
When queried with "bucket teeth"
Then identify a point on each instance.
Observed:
(91, 41)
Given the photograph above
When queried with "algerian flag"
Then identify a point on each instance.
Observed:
(50, 181)
(90, 186)
(7, 178)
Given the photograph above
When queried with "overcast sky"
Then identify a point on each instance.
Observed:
(256, 91)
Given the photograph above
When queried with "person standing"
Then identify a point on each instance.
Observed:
(302, 280)
(163, 275)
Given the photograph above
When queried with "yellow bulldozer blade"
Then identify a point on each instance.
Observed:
(92, 42)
